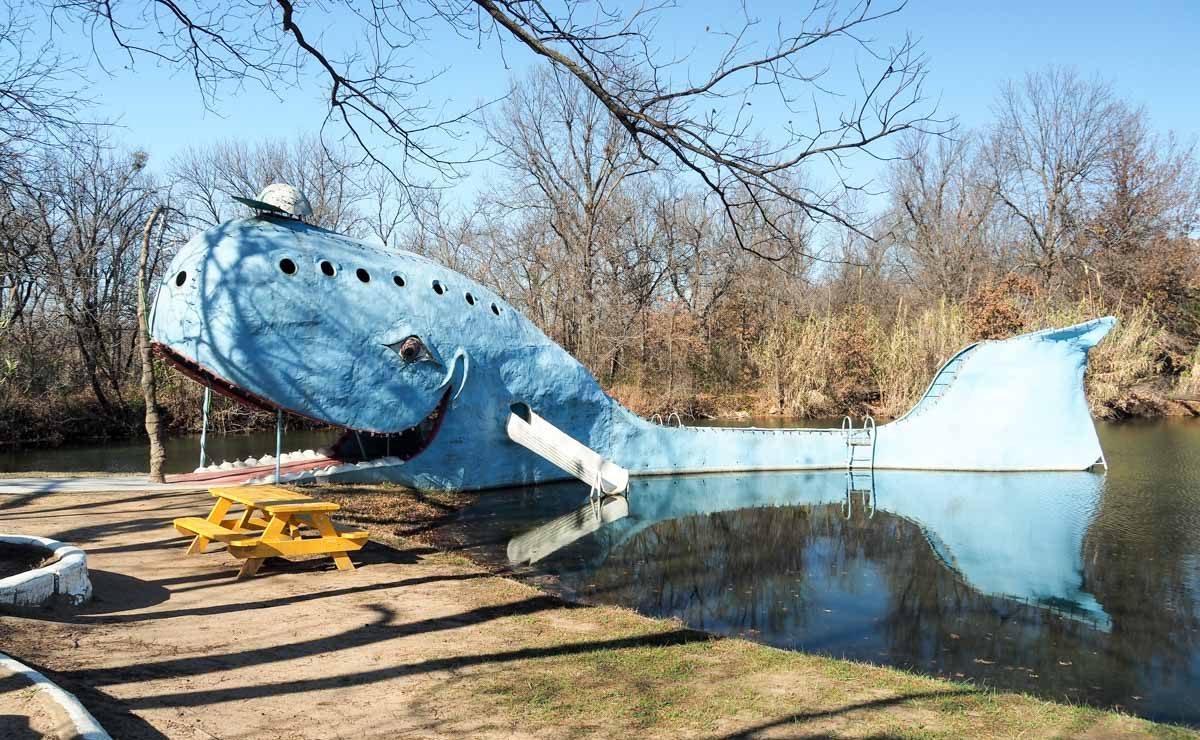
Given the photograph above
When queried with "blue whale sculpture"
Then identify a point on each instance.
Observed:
(441, 384)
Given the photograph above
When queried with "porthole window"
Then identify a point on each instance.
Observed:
(287, 267)
(470, 299)
(399, 281)
(437, 287)
(495, 309)
(180, 279)
(362, 275)
(327, 268)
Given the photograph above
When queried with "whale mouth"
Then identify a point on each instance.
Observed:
(353, 447)
(356, 445)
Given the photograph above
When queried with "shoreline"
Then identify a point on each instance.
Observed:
(1153, 408)
(420, 640)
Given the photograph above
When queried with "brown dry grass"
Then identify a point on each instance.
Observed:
(831, 364)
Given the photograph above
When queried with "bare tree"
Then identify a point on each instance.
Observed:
(1046, 156)
(940, 214)
(154, 428)
(1139, 243)
(1151, 189)
(39, 98)
(678, 112)
(205, 180)
(88, 206)
(571, 165)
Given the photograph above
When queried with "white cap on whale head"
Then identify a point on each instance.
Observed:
(279, 197)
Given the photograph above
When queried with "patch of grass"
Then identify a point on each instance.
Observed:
(700, 686)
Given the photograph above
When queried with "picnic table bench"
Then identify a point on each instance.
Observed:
(274, 522)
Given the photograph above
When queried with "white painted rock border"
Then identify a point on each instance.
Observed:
(86, 726)
(64, 579)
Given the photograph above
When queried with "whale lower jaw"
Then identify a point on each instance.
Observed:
(299, 468)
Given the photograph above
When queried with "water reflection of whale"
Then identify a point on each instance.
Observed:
(1012, 535)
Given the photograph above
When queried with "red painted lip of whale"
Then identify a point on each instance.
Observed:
(347, 440)
(204, 376)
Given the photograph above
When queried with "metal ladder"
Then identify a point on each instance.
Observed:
(860, 464)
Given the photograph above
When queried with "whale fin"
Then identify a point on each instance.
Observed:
(1011, 404)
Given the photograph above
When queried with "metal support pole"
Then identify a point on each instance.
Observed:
(278, 441)
(204, 425)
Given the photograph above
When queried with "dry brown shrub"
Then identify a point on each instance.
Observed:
(819, 365)
(1188, 384)
(997, 311)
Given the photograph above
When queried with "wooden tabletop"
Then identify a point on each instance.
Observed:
(259, 496)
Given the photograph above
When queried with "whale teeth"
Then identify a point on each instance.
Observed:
(225, 465)
(249, 462)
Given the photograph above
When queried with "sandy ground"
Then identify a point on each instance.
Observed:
(27, 714)
(301, 650)
(421, 643)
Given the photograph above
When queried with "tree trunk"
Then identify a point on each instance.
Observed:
(149, 393)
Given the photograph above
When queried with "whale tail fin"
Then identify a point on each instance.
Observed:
(1011, 404)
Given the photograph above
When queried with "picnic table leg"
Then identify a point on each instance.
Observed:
(249, 568)
(244, 521)
(273, 531)
(325, 526)
(219, 509)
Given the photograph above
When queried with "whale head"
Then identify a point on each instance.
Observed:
(282, 315)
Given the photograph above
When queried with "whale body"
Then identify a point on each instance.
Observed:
(423, 367)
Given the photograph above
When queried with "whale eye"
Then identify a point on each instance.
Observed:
(411, 349)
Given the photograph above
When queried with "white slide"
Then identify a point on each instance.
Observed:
(548, 441)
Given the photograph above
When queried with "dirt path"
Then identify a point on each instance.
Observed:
(421, 643)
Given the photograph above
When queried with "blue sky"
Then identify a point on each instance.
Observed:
(1147, 50)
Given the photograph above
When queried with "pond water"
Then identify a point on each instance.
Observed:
(1074, 586)
(183, 453)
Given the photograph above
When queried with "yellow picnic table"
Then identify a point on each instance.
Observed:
(274, 522)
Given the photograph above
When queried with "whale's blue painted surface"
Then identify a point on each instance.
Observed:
(317, 345)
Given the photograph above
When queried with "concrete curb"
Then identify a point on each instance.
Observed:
(64, 579)
(86, 726)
